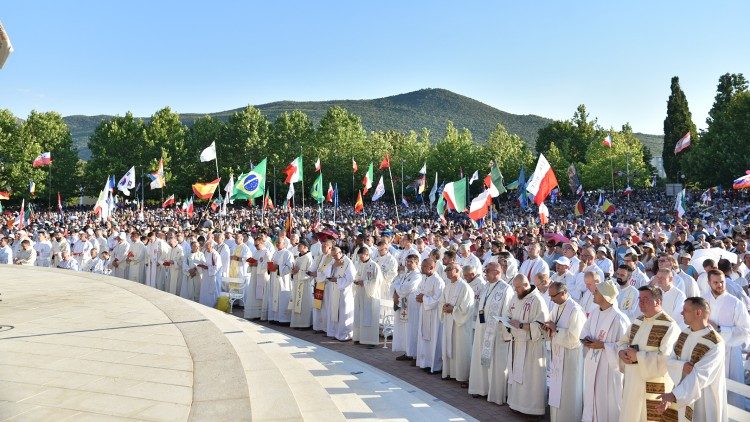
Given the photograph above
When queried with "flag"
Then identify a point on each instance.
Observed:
(494, 182)
(742, 182)
(317, 189)
(4, 195)
(367, 180)
(523, 199)
(379, 190)
(317, 165)
(294, 171)
(290, 192)
(216, 203)
(607, 142)
(423, 170)
(683, 143)
(110, 185)
(267, 203)
(628, 191)
(32, 187)
(43, 159)
(206, 190)
(433, 191)
(187, 206)
(329, 194)
(608, 207)
(543, 214)
(6, 48)
(157, 177)
(209, 153)
(580, 208)
(600, 202)
(251, 185)
(21, 216)
(404, 202)
(228, 192)
(336, 196)
(59, 203)
(359, 206)
(474, 177)
(354, 166)
(542, 181)
(680, 204)
(441, 201)
(127, 182)
(479, 205)
(706, 196)
(573, 181)
(653, 181)
(168, 202)
(386, 163)
(455, 195)
(421, 184)
(553, 195)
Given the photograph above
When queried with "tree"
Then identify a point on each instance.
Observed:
(624, 158)
(205, 130)
(245, 139)
(508, 151)
(678, 122)
(456, 153)
(291, 135)
(572, 136)
(116, 145)
(729, 86)
(559, 165)
(16, 158)
(165, 136)
(339, 135)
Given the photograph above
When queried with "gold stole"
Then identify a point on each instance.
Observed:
(320, 286)
(234, 266)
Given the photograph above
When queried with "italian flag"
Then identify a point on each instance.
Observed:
(542, 182)
(480, 205)
(494, 182)
(293, 171)
(367, 180)
(455, 195)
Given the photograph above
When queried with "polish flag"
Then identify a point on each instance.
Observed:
(480, 205)
(543, 181)
(607, 142)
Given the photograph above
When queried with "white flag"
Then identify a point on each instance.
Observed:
(474, 177)
(433, 192)
(424, 169)
(127, 182)
(290, 194)
(379, 190)
(209, 153)
(228, 193)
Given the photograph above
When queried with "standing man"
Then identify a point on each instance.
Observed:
(643, 355)
(489, 357)
(429, 353)
(136, 258)
(406, 321)
(119, 255)
(173, 268)
(696, 366)
(321, 290)
(534, 263)
(255, 291)
(43, 251)
(457, 306)
(367, 296)
(566, 369)
(731, 320)
(280, 270)
(527, 383)
(302, 293)
(211, 283)
(672, 297)
(388, 268)
(154, 269)
(602, 376)
(341, 305)
(26, 254)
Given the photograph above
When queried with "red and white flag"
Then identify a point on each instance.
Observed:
(480, 205)
(44, 159)
(168, 202)
(354, 166)
(543, 214)
(317, 165)
(543, 181)
(607, 142)
(329, 195)
(683, 143)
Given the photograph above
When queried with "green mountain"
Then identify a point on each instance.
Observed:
(426, 108)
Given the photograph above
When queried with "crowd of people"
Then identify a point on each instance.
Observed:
(649, 313)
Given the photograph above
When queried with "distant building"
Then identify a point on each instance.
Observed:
(658, 164)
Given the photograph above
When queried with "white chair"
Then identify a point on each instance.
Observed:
(236, 293)
(387, 330)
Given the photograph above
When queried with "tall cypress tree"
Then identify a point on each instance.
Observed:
(678, 122)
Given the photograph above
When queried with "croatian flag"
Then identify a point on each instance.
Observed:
(44, 159)
(607, 142)
(683, 143)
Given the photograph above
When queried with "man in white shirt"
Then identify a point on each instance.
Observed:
(672, 297)
(6, 252)
(534, 263)
(604, 263)
(43, 249)
(563, 275)
(627, 295)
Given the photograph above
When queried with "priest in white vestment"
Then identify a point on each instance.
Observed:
(489, 357)
(259, 279)
(238, 275)
(627, 294)
(457, 308)
(211, 284)
(389, 270)
(406, 319)
(600, 335)
(136, 258)
(477, 283)
(195, 268)
(566, 367)
(527, 380)
(322, 288)
(696, 367)
(672, 297)
(367, 282)
(302, 292)
(341, 304)
(534, 263)
(280, 269)
(731, 320)
(173, 268)
(643, 357)
(119, 256)
(154, 250)
(43, 251)
(429, 352)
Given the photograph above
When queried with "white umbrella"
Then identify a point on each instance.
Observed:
(716, 254)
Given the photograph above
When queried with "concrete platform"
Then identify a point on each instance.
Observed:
(77, 346)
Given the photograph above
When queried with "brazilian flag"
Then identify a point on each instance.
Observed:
(251, 185)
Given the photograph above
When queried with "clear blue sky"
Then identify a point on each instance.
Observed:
(101, 57)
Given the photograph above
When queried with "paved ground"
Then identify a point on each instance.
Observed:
(448, 391)
(79, 346)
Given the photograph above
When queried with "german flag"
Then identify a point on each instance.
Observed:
(580, 208)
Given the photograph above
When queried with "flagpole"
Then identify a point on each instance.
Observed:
(612, 170)
(352, 179)
(49, 187)
(402, 179)
(393, 190)
(302, 180)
